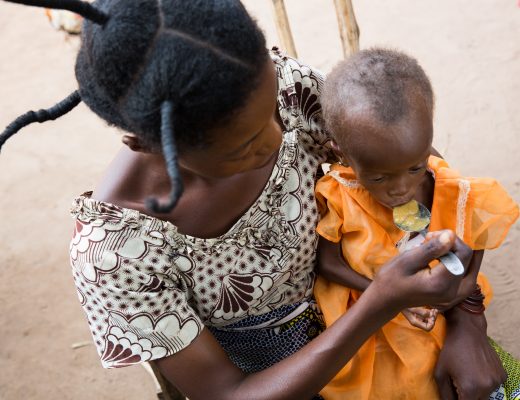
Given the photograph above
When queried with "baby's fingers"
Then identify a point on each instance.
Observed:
(423, 319)
(423, 312)
(428, 325)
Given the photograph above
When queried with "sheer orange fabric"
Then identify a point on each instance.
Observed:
(399, 356)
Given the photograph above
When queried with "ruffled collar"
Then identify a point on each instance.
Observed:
(382, 215)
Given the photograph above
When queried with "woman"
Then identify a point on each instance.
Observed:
(239, 135)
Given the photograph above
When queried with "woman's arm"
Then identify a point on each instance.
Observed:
(203, 370)
(468, 367)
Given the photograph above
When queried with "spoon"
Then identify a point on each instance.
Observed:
(415, 217)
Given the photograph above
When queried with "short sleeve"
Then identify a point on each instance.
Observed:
(328, 198)
(485, 287)
(130, 285)
(479, 210)
(490, 212)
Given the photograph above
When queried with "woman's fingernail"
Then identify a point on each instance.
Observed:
(444, 238)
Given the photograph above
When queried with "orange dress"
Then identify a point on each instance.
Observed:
(397, 362)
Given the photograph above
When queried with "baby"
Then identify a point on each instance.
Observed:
(378, 107)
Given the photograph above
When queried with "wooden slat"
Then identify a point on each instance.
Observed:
(283, 27)
(166, 390)
(348, 27)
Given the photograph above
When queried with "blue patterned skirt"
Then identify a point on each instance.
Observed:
(258, 342)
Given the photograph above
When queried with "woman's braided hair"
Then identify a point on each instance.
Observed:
(166, 70)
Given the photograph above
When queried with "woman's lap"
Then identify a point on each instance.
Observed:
(283, 332)
(510, 390)
(254, 349)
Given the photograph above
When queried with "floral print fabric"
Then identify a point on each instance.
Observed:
(148, 290)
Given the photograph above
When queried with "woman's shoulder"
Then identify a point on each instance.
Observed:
(102, 228)
(301, 72)
(299, 94)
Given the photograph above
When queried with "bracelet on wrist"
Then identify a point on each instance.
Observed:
(474, 303)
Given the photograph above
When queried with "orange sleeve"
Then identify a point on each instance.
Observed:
(328, 197)
(490, 214)
(485, 287)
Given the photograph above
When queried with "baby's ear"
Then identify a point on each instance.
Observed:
(134, 143)
(337, 152)
(334, 146)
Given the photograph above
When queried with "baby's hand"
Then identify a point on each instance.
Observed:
(421, 317)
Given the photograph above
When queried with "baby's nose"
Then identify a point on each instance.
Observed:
(398, 191)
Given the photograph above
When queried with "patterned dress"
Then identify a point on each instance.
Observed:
(148, 290)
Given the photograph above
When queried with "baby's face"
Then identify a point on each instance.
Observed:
(394, 181)
(390, 160)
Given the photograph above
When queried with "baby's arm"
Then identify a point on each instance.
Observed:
(333, 267)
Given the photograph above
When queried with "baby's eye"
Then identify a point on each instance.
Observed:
(376, 179)
(416, 170)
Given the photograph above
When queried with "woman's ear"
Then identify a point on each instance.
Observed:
(134, 143)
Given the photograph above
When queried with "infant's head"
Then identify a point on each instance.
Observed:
(378, 107)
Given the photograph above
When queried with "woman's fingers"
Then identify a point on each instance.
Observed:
(462, 251)
(446, 388)
(416, 284)
(419, 257)
(459, 248)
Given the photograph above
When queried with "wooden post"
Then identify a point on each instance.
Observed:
(348, 27)
(283, 28)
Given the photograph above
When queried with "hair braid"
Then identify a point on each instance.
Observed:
(82, 8)
(62, 108)
(171, 158)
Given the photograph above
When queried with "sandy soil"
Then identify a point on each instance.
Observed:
(467, 47)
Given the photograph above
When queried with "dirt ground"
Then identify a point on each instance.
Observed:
(467, 47)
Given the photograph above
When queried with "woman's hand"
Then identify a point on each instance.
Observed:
(468, 284)
(468, 367)
(407, 281)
